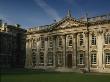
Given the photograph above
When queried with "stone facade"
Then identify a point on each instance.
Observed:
(70, 44)
(12, 46)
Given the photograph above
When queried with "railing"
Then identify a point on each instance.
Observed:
(38, 28)
(99, 18)
(92, 19)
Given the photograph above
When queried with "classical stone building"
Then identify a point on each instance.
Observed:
(70, 44)
(12, 46)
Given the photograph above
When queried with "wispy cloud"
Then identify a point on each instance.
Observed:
(48, 9)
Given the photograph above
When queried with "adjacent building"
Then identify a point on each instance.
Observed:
(12, 46)
(70, 44)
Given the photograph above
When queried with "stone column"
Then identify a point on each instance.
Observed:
(38, 52)
(28, 63)
(54, 50)
(45, 51)
(100, 49)
(64, 50)
(87, 52)
(75, 49)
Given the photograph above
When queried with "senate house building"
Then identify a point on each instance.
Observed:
(70, 45)
(67, 45)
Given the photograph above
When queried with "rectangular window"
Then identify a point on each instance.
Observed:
(107, 38)
(50, 42)
(81, 58)
(107, 58)
(93, 58)
(41, 58)
(59, 41)
(33, 57)
(93, 40)
(70, 41)
(42, 43)
(60, 59)
(81, 39)
(50, 59)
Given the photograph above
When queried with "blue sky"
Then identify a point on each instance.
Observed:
(30, 13)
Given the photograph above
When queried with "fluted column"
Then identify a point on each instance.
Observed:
(87, 52)
(45, 51)
(38, 51)
(54, 50)
(75, 49)
(64, 50)
(100, 49)
(28, 62)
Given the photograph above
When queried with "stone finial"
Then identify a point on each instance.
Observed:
(69, 13)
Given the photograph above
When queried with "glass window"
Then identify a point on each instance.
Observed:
(50, 58)
(93, 39)
(42, 42)
(33, 57)
(69, 40)
(41, 58)
(81, 39)
(50, 42)
(93, 58)
(107, 59)
(81, 58)
(60, 59)
(59, 41)
(107, 38)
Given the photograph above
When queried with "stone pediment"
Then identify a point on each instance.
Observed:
(68, 22)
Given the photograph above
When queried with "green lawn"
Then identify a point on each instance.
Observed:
(36, 76)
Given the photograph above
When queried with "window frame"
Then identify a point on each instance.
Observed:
(107, 58)
(81, 59)
(81, 39)
(107, 38)
(41, 58)
(60, 59)
(93, 39)
(94, 58)
(70, 41)
(50, 58)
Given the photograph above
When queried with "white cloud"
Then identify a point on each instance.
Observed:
(49, 10)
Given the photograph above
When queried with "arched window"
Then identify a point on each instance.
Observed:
(107, 38)
(81, 41)
(93, 42)
(70, 41)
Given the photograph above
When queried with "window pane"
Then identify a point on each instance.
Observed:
(93, 59)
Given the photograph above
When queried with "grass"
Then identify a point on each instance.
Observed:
(39, 76)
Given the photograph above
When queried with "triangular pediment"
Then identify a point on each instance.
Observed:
(68, 22)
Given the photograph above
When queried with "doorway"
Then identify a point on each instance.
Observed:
(69, 60)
